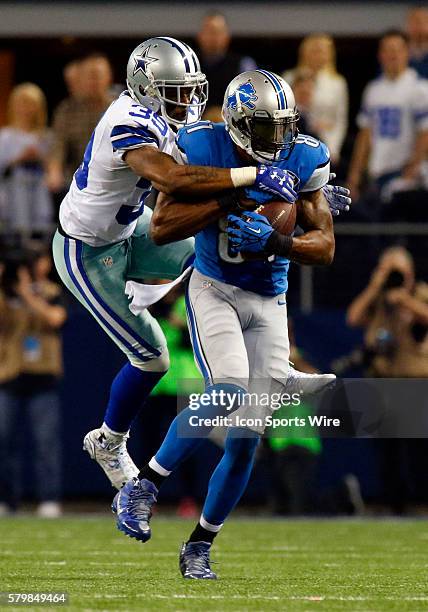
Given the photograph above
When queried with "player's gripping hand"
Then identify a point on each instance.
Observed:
(249, 233)
(337, 197)
(277, 182)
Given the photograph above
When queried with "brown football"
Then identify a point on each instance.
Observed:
(281, 215)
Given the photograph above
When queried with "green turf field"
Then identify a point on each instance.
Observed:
(262, 565)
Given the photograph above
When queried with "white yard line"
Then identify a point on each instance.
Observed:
(55, 562)
(281, 598)
(111, 563)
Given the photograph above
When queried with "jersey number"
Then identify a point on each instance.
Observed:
(223, 245)
(389, 121)
(146, 113)
(127, 214)
(81, 174)
(308, 140)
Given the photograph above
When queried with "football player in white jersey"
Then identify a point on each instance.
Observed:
(103, 240)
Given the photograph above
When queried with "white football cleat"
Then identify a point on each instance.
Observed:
(109, 451)
(308, 384)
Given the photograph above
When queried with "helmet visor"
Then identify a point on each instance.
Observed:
(272, 136)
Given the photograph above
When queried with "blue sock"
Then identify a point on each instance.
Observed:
(178, 443)
(230, 478)
(129, 390)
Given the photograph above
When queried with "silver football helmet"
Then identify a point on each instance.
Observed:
(164, 74)
(260, 115)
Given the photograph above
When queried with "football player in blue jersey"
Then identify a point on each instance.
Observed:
(236, 305)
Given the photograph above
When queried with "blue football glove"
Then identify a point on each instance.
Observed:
(249, 233)
(337, 197)
(277, 182)
(256, 194)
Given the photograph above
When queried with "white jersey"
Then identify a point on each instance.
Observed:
(394, 110)
(106, 197)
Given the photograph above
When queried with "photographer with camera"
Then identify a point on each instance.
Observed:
(393, 309)
(31, 315)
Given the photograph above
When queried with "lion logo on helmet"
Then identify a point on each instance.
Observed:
(247, 96)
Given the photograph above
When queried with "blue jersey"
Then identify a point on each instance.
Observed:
(209, 144)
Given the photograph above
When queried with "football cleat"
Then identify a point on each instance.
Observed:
(195, 561)
(110, 452)
(133, 507)
(302, 382)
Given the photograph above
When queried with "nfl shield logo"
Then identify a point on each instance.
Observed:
(108, 261)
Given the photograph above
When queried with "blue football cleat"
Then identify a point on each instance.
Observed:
(195, 561)
(133, 506)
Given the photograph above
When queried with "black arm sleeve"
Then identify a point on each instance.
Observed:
(278, 244)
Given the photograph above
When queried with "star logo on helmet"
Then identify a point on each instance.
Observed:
(142, 61)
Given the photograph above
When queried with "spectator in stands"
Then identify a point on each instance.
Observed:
(303, 89)
(217, 62)
(72, 80)
(417, 31)
(393, 310)
(25, 202)
(392, 141)
(31, 315)
(76, 117)
(329, 108)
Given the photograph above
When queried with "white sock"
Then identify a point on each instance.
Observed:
(156, 467)
(113, 434)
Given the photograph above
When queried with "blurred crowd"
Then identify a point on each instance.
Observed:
(386, 169)
(32, 314)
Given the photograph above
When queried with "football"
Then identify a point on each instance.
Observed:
(282, 217)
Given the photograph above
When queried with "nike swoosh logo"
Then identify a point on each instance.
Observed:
(129, 527)
(281, 302)
(256, 231)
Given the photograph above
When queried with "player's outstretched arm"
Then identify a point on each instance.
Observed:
(316, 246)
(181, 180)
(192, 181)
(174, 220)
